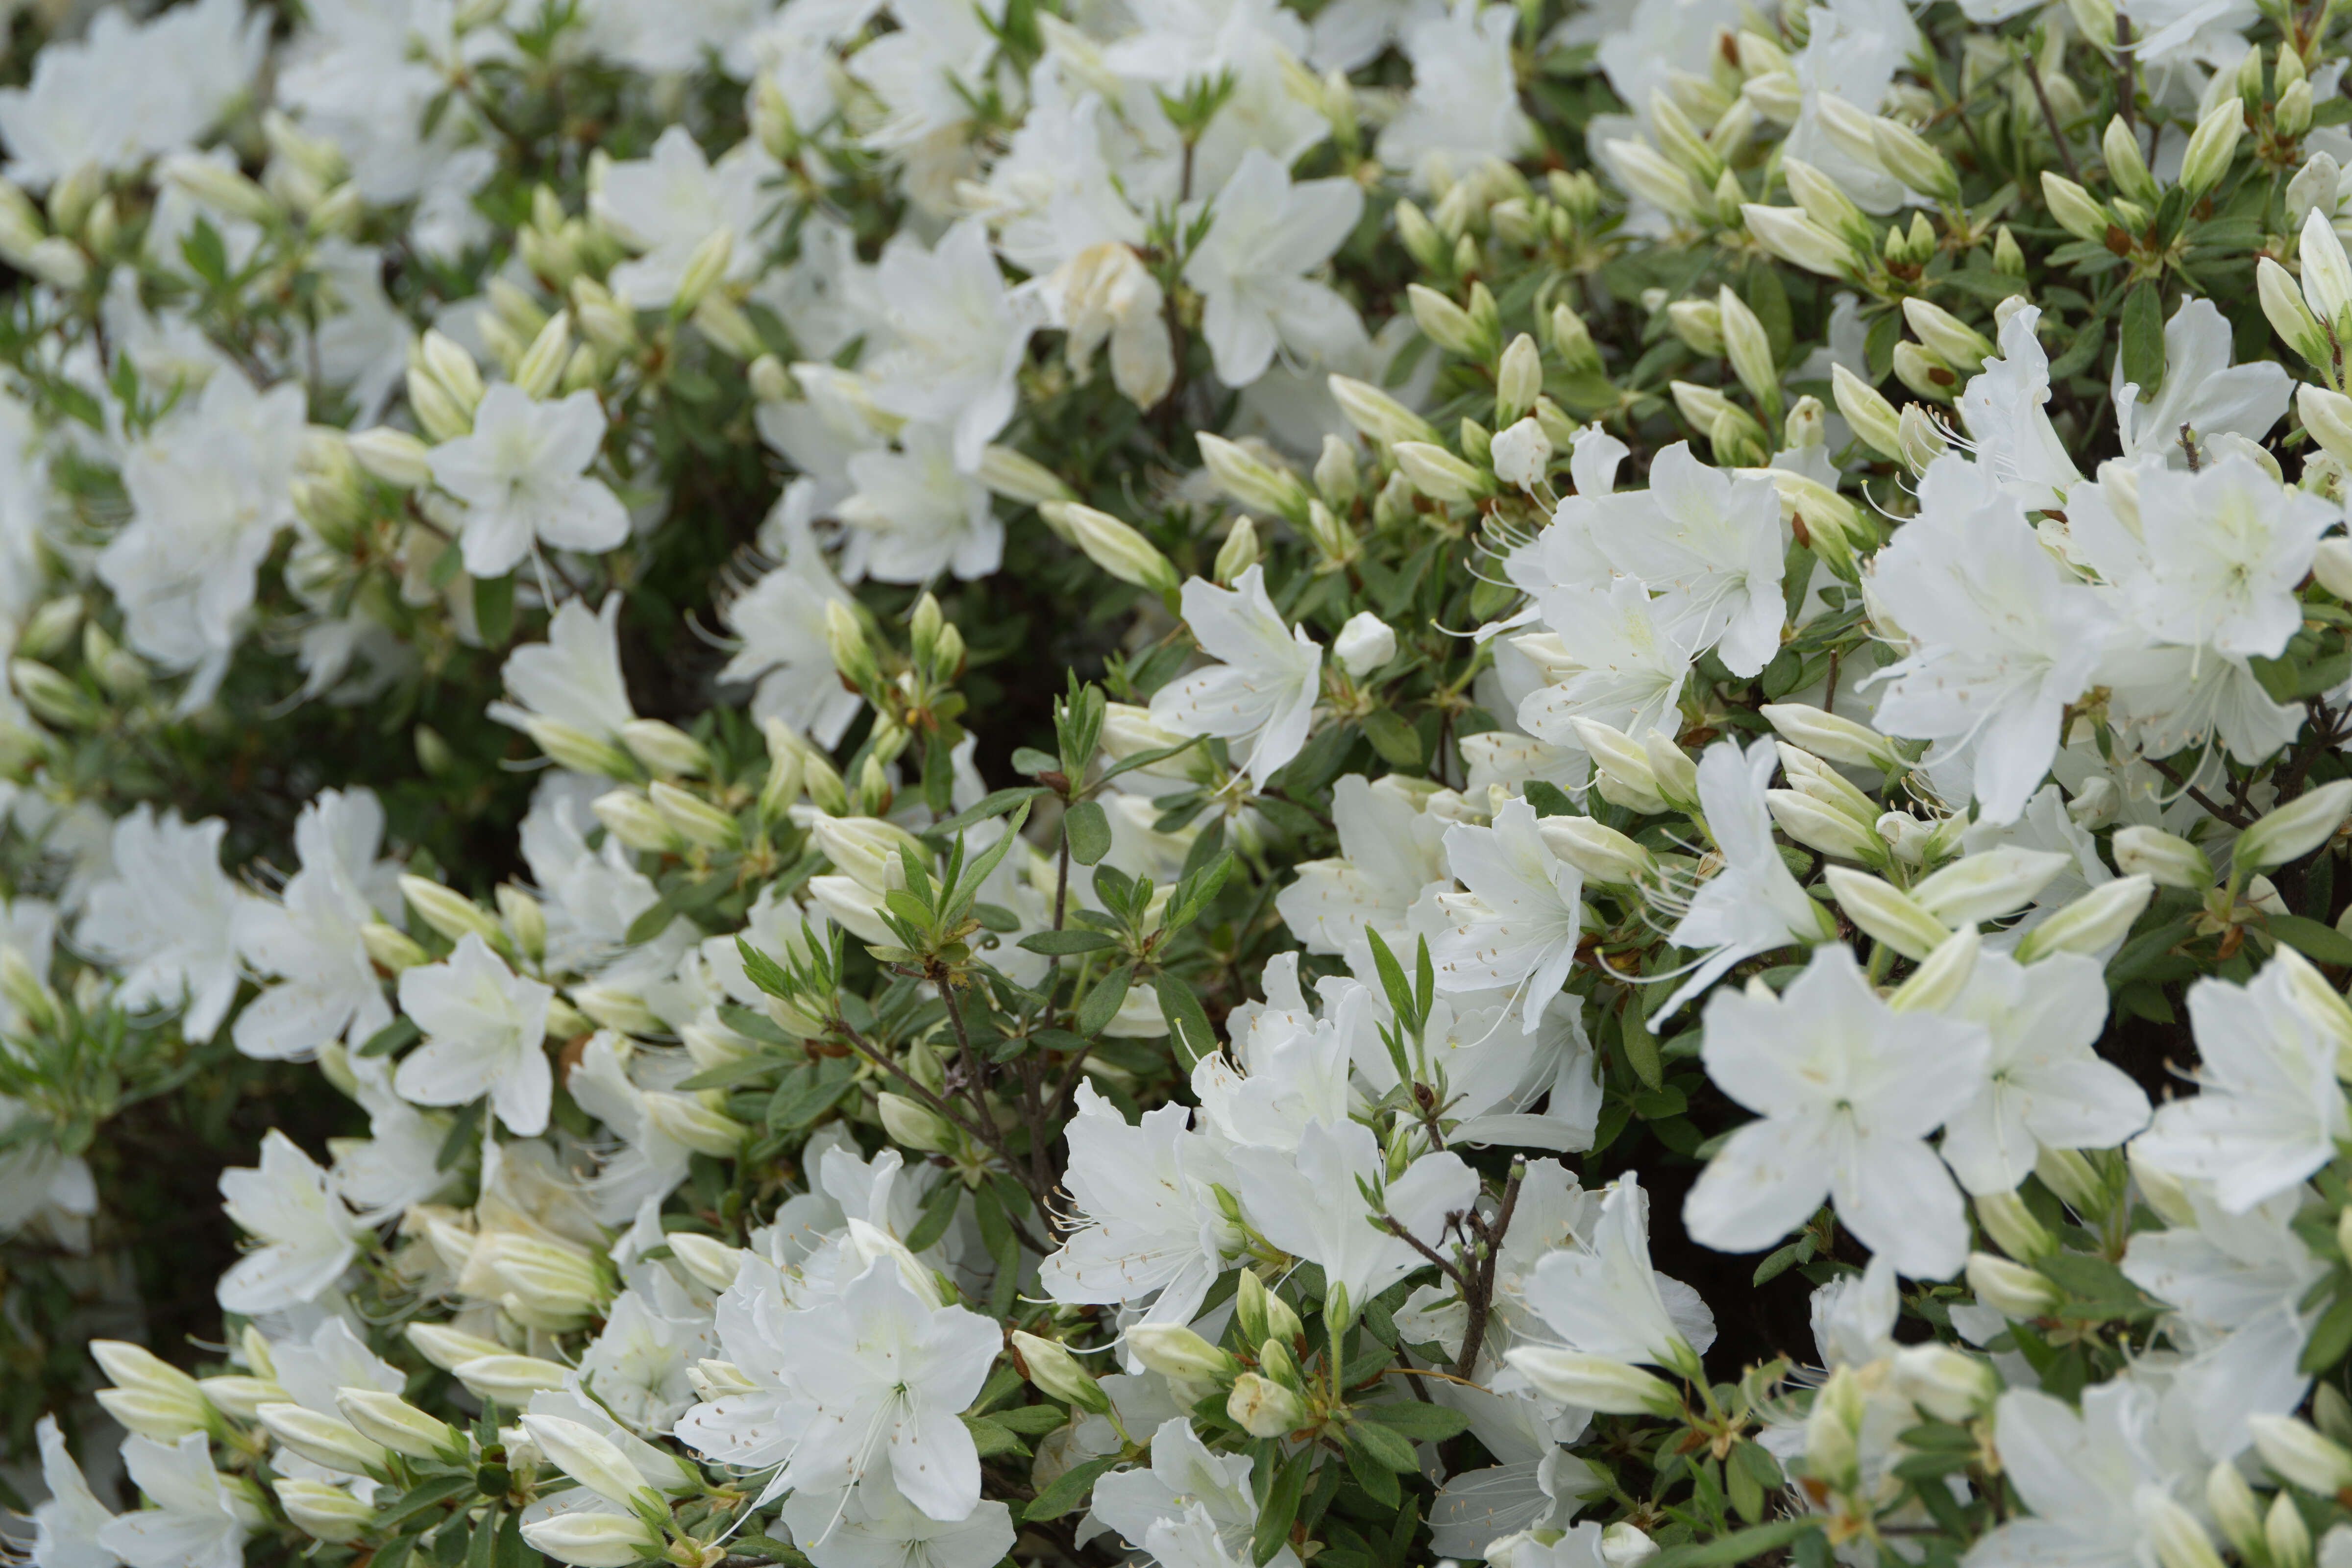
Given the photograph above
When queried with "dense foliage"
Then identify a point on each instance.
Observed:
(892, 782)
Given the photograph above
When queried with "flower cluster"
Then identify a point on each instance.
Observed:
(898, 783)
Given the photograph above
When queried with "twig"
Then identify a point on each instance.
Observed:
(2050, 117)
(2127, 91)
(1481, 1300)
(1427, 1251)
(2235, 818)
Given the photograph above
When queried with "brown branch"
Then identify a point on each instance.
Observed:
(2050, 117)
(1427, 1251)
(1481, 1300)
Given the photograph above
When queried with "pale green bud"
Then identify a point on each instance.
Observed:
(1173, 1351)
(2125, 168)
(2300, 1456)
(2007, 1220)
(1821, 828)
(390, 947)
(1262, 1408)
(1440, 475)
(2296, 828)
(1924, 373)
(2290, 317)
(2179, 1541)
(2169, 862)
(2011, 1289)
(1750, 349)
(2283, 1532)
(913, 1125)
(665, 748)
(1594, 1382)
(321, 1512)
(713, 1264)
(1821, 198)
(241, 1398)
(451, 913)
(2329, 417)
(1873, 418)
(1238, 553)
(542, 363)
(1370, 410)
(395, 457)
(2072, 206)
(1251, 480)
(576, 750)
(1986, 886)
(2212, 146)
(1952, 340)
(631, 818)
(325, 1440)
(1019, 478)
(703, 269)
(1115, 547)
(2235, 1511)
(1443, 322)
(1699, 323)
(2291, 115)
(696, 820)
(1517, 380)
(1886, 912)
(1057, 1374)
(1906, 154)
(2092, 923)
(390, 1421)
(592, 1459)
(1797, 239)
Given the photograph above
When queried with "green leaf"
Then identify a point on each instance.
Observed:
(2085, 347)
(939, 1213)
(1065, 942)
(1379, 1482)
(2311, 939)
(494, 609)
(391, 1037)
(1101, 1005)
(652, 923)
(1422, 1423)
(418, 1499)
(1187, 1021)
(1088, 831)
(1640, 1046)
(996, 805)
(727, 1075)
(762, 970)
(1075, 1486)
(2330, 1340)
(1397, 742)
(1739, 1546)
(1031, 1420)
(991, 1438)
(1281, 1507)
(1383, 1445)
(2142, 343)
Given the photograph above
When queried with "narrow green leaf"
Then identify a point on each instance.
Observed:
(1101, 1005)
(1088, 831)
(1187, 1021)
(1065, 942)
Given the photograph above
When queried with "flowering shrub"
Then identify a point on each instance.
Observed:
(904, 782)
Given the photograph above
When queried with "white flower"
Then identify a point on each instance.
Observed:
(2005, 410)
(66, 1526)
(1600, 1295)
(310, 940)
(667, 205)
(1519, 923)
(887, 1377)
(483, 1024)
(1464, 105)
(1391, 847)
(2092, 1479)
(129, 91)
(521, 475)
(309, 1236)
(2270, 1111)
(1752, 903)
(1306, 1203)
(2202, 390)
(209, 489)
(2002, 639)
(918, 512)
(1184, 1475)
(1716, 540)
(877, 1526)
(196, 1522)
(573, 677)
(2220, 553)
(2046, 1086)
(1848, 1092)
(1147, 1226)
(1264, 233)
(781, 619)
(167, 918)
(957, 337)
(1624, 657)
(1264, 690)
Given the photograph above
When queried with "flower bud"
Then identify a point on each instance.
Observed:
(696, 820)
(2331, 563)
(2290, 317)
(1886, 912)
(1947, 1383)
(165, 1418)
(1822, 828)
(2010, 1287)
(2072, 206)
(1948, 337)
(1654, 177)
(2179, 1541)
(1906, 154)
(631, 818)
(1699, 323)
(395, 457)
(1173, 1351)
(323, 1513)
(1807, 424)
(1873, 420)
(2008, 1220)
(1797, 239)
(51, 695)
(2235, 1510)
(1057, 1374)
(1596, 849)
(390, 1421)
(1445, 323)
(1625, 775)
(1988, 885)
(445, 1347)
(1371, 410)
(2212, 146)
(1364, 644)
(1262, 1408)
(683, 1118)
(2125, 168)
(913, 1125)
(220, 186)
(577, 750)
(2283, 1532)
(451, 913)
(1251, 481)
(2092, 923)
(2300, 1456)
(1019, 478)
(1114, 546)
(1521, 453)
(2167, 861)
(592, 1540)
(591, 1458)
(322, 1439)
(509, 1379)
(1518, 380)
(240, 1398)
(1439, 474)
(2326, 273)
(1595, 1382)
(2296, 828)
(1941, 976)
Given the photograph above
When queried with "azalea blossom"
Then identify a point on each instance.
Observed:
(308, 1236)
(1264, 691)
(483, 1024)
(521, 478)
